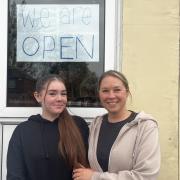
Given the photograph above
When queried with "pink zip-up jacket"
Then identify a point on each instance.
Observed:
(135, 154)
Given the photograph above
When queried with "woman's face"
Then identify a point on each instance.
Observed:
(113, 95)
(53, 99)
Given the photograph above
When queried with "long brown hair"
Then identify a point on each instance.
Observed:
(70, 145)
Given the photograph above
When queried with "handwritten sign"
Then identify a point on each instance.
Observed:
(58, 33)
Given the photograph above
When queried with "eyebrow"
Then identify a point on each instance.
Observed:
(113, 87)
(54, 90)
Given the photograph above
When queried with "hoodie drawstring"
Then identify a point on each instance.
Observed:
(44, 145)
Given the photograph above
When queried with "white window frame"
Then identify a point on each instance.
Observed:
(112, 51)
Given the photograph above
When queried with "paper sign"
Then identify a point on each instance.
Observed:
(58, 33)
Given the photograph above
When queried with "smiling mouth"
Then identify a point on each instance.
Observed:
(59, 106)
(111, 103)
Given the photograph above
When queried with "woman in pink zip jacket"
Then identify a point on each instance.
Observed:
(123, 144)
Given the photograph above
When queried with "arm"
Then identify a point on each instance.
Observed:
(84, 130)
(83, 127)
(15, 161)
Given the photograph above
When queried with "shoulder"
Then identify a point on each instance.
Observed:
(83, 127)
(18, 132)
(96, 123)
(21, 127)
(97, 120)
(146, 124)
(25, 126)
(146, 120)
(80, 122)
(79, 119)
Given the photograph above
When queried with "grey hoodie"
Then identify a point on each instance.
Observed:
(135, 154)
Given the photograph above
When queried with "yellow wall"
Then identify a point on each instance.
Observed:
(151, 63)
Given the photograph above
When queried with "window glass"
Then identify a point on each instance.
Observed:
(65, 37)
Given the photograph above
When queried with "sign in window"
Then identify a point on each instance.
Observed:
(58, 33)
(64, 37)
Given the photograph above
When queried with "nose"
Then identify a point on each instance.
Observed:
(111, 94)
(59, 96)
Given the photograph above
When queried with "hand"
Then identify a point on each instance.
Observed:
(82, 173)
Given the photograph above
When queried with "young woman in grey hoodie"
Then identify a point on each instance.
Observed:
(123, 144)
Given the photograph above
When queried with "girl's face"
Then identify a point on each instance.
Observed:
(53, 99)
(113, 95)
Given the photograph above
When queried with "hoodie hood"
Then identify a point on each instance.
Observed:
(140, 117)
(39, 119)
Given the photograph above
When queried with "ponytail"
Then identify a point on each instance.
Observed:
(71, 144)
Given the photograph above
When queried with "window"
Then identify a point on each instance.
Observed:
(32, 48)
(53, 37)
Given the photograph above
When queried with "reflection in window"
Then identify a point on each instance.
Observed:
(81, 77)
